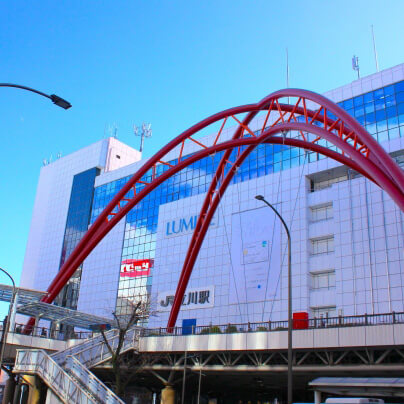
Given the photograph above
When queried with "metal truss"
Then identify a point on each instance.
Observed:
(359, 360)
(302, 119)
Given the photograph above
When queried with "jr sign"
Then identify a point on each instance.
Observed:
(196, 298)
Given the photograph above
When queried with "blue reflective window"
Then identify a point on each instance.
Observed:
(347, 104)
(399, 87)
(368, 97)
(380, 115)
(370, 107)
(380, 104)
(378, 94)
(400, 97)
(359, 111)
(389, 90)
(358, 101)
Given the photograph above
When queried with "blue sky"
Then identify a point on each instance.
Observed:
(171, 63)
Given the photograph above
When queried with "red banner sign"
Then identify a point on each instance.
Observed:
(134, 268)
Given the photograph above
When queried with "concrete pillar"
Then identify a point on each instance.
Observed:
(21, 393)
(9, 390)
(317, 397)
(34, 396)
(168, 395)
(52, 398)
(13, 313)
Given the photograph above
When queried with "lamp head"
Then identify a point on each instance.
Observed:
(259, 197)
(60, 102)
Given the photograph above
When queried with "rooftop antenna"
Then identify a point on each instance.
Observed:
(113, 130)
(146, 132)
(374, 49)
(287, 68)
(355, 65)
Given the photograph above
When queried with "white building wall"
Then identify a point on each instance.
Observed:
(45, 240)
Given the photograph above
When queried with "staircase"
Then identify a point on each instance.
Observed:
(67, 372)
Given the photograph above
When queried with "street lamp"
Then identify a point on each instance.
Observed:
(290, 358)
(60, 102)
(7, 325)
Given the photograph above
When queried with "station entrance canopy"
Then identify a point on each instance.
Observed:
(28, 303)
(360, 386)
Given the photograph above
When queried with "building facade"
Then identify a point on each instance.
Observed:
(347, 234)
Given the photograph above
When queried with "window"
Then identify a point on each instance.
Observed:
(322, 245)
(323, 280)
(321, 212)
(317, 185)
(324, 312)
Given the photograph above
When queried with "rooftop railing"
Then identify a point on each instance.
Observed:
(269, 326)
(46, 332)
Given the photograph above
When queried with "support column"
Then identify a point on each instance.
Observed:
(168, 395)
(11, 327)
(9, 391)
(317, 397)
(34, 389)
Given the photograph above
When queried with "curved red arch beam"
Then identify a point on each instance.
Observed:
(67, 269)
(207, 213)
(124, 200)
(378, 154)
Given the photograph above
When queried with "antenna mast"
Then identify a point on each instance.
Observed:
(287, 68)
(113, 130)
(146, 132)
(374, 49)
(355, 65)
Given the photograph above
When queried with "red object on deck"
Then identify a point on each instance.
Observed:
(300, 320)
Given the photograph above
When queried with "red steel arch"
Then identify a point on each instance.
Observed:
(305, 122)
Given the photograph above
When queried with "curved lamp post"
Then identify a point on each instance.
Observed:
(60, 102)
(7, 325)
(290, 358)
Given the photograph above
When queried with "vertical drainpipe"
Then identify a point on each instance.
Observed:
(369, 246)
(352, 239)
(386, 255)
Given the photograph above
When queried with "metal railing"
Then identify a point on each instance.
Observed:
(46, 332)
(40, 363)
(89, 381)
(311, 323)
(95, 351)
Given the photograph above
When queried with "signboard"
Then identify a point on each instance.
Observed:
(196, 298)
(256, 256)
(136, 268)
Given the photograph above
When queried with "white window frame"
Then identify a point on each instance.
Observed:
(321, 212)
(322, 245)
(324, 311)
(322, 280)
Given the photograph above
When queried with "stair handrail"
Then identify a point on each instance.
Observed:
(92, 383)
(66, 388)
(95, 352)
(81, 346)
